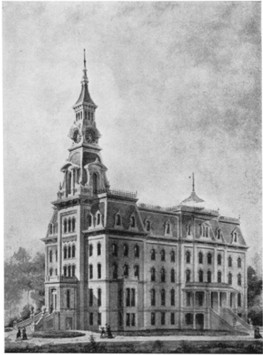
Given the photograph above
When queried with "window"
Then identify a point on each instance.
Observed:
(172, 297)
(65, 252)
(235, 237)
(126, 270)
(68, 298)
(162, 255)
(136, 270)
(128, 297)
(73, 270)
(172, 318)
(91, 318)
(239, 262)
(239, 279)
(219, 259)
(132, 222)
(172, 256)
(162, 275)
(118, 219)
(125, 250)
(152, 274)
(99, 318)
(239, 302)
(50, 256)
(167, 228)
(231, 300)
(133, 319)
(136, 251)
(69, 271)
(98, 218)
(162, 318)
(201, 276)
(230, 278)
(229, 261)
(56, 272)
(162, 297)
(114, 250)
(73, 251)
(209, 276)
(65, 225)
(65, 271)
(189, 319)
(73, 224)
(219, 276)
(153, 300)
(50, 229)
(99, 271)
(218, 234)
(188, 299)
(56, 255)
(99, 297)
(200, 258)
(90, 250)
(133, 297)
(69, 225)
(200, 229)
(98, 249)
(152, 318)
(172, 275)
(128, 319)
(209, 258)
(189, 229)
(115, 271)
(153, 254)
(120, 319)
(200, 298)
(148, 226)
(188, 257)
(69, 251)
(206, 232)
(91, 297)
(91, 271)
(89, 220)
(188, 275)
(51, 271)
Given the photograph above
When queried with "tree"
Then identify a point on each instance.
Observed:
(254, 296)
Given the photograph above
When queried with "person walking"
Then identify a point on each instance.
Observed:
(24, 334)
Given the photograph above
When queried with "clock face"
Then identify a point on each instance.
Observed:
(77, 137)
(89, 137)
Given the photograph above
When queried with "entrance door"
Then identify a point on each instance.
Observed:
(199, 321)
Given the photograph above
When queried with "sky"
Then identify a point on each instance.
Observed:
(178, 89)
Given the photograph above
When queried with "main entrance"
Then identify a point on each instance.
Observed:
(199, 321)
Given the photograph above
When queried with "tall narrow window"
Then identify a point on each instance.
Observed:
(172, 256)
(56, 255)
(162, 255)
(200, 258)
(89, 220)
(239, 301)
(148, 226)
(90, 250)
(153, 254)
(128, 297)
(73, 270)
(50, 229)
(50, 256)
(162, 297)
(98, 218)
(126, 270)
(206, 232)
(218, 234)
(167, 228)
(115, 271)
(132, 221)
(99, 297)
(172, 318)
(133, 319)
(152, 318)
(65, 226)
(69, 225)
(239, 279)
(69, 251)
(239, 262)
(99, 318)
(188, 257)
(209, 276)
(188, 299)
(209, 258)
(136, 270)
(68, 298)
(99, 271)
(91, 297)
(73, 224)
(172, 275)
(95, 183)
(152, 274)
(219, 276)
(118, 219)
(127, 319)
(91, 318)
(152, 297)
(172, 297)
(235, 237)
(136, 251)
(114, 250)
(98, 249)
(162, 318)
(201, 276)
(125, 250)
(65, 271)
(188, 275)
(162, 275)
(50, 271)
(91, 271)
(219, 259)
(73, 251)
(133, 297)
(230, 278)
(229, 261)
(69, 271)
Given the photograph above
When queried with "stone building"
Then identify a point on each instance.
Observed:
(112, 260)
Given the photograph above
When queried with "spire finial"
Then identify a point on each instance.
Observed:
(85, 78)
(84, 58)
(193, 177)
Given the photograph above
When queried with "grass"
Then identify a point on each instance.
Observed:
(57, 334)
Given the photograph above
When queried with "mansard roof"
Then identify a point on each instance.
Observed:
(84, 96)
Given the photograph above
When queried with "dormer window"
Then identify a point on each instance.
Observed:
(206, 232)
(98, 218)
(114, 250)
(125, 250)
(89, 220)
(235, 237)
(50, 229)
(218, 234)
(132, 222)
(136, 251)
(189, 229)
(118, 219)
(167, 228)
(148, 226)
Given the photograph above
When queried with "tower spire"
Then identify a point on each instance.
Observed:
(85, 78)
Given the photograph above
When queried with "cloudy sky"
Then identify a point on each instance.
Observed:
(177, 86)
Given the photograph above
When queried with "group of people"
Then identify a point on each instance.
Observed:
(22, 336)
(106, 333)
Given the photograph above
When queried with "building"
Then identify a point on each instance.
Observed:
(112, 260)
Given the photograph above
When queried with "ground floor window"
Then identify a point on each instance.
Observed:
(172, 319)
(99, 318)
(120, 319)
(130, 319)
(162, 318)
(189, 319)
(152, 318)
(239, 301)
(91, 318)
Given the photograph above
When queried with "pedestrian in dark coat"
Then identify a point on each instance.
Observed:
(109, 332)
(24, 334)
(18, 334)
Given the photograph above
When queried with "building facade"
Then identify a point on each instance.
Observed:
(136, 267)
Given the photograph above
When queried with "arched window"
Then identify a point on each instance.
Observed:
(235, 237)
(172, 297)
(118, 219)
(239, 279)
(153, 254)
(136, 270)
(152, 318)
(51, 271)
(56, 255)
(229, 261)
(50, 256)
(98, 249)
(200, 258)
(69, 225)
(69, 271)
(239, 301)
(136, 251)
(219, 276)
(218, 234)
(90, 250)
(189, 229)
(230, 278)
(201, 230)
(73, 270)
(201, 275)
(152, 274)
(162, 274)
(162, 297)
(65, 271)
(167, 228)
(188, 275)
(239, 262)
(98, 218)
(188, 257)
(153, 299)
(209, 258)
(69, 251)
(148, 226)
(99, 297)
(219, 259)
(99, 271)
(65, 225)
(115, 271)
(209, 276)
(114, 249)
(132, 222)
(65, 252)
(91, 271)
(206, 232)
(50, 229)
(95, 183)
(172, 256)
(126, 270)
(73, 224)
(89, 220)
(125, 250)
(73, 251)
(162, 255)
(172, 275)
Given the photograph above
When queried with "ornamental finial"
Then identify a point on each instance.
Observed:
(193, 178)
(85, 78)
